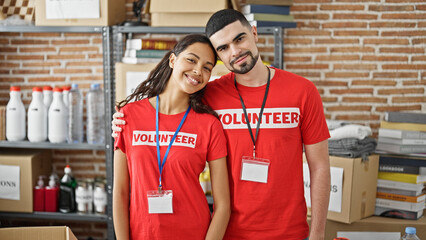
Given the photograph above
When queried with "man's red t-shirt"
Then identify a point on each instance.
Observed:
(293, 116)
(200, 139)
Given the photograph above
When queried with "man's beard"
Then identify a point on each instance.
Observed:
(247, 66)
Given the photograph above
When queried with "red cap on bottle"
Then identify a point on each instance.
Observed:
(37, 89)
(47, 88)
(66, 88)
(57, 89)
(15, 88)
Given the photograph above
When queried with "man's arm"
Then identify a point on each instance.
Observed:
(117, 122)
(319, 169)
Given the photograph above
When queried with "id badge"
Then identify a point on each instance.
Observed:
(160, 202)
(254, 169)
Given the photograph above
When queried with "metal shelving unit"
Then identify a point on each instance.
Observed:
(48, 145)
(108, 147)
(58, 216)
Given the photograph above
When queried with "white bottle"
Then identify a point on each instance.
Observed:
(95, 132)
(65, 94)
(410, 234)
(37, 117)
(75, 115)
(47, 96)
(58, 117)
(15, 116)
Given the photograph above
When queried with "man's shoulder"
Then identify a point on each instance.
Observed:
(293, 78)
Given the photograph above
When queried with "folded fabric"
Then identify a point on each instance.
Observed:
(352, 147)
(333, 124)
(350, 131)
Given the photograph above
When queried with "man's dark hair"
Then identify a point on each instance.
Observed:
(222, 18)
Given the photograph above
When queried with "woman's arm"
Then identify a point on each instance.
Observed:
(120, 202)
(221, 198)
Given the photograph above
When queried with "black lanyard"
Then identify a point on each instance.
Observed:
(260, 114)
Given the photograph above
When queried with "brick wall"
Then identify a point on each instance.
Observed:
(366, 57)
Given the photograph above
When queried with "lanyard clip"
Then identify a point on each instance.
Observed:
(160, 189)
(254, 151)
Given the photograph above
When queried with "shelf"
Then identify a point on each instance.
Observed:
(48, 145)
(65, 29)
(186, 30)
(57, 216)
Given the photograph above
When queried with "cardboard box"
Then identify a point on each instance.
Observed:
(37, 233)
(129, 76)
(29, 164)
(180, 19)
(187, 6)
(112, 12)
(359, 188)
(375, 224)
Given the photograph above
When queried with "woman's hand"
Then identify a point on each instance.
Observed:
(117, 122)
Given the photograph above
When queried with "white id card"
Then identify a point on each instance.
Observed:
(254, 169)
(160, 202)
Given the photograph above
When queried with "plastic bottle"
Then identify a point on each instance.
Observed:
(57, 118)
(37, 117)
(51, 195)
(75, 115)
(95, 132)
(410, 234)
(15, 116)
(39, 192)
(67, 192)
(47, 96)
(65, 94)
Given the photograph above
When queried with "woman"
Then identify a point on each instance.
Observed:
(157, 194)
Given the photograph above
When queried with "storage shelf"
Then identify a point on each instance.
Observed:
(186, 30)
(57, 216)
(65, 29)
(48, 145)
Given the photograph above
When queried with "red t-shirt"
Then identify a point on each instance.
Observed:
(200, 139)
(293, 116)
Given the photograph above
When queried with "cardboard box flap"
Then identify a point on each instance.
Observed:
(37, 233)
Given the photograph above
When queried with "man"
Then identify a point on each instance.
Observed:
(265, 159)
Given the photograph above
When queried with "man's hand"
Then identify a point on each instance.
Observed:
(116, 122)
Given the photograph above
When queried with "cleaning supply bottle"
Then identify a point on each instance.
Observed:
(39, 192)
(57, 118)
(51, 196)
(37, 117)
(67, 192)
(15, 116)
